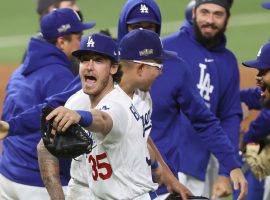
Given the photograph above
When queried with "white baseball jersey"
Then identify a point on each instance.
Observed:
(119, 166)
(78, 184)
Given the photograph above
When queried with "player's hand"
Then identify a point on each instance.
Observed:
(238, 179)
(221, 187)
(63, 118)
(174, 186)
(4, 128)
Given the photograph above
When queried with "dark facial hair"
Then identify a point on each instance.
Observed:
(211, 41)
(265, 103)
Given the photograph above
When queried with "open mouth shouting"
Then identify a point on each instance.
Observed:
(90, 81)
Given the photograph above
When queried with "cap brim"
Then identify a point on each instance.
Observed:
(168, 55)
(79, 53)
(88, 25)
(142, 19)
(256, 64)
(266, 5)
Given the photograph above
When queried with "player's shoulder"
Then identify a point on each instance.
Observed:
(78, 101)
(143, 95)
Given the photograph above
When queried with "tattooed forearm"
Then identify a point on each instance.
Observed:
(49, 169)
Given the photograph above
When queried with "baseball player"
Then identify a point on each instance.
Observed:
(119, 128)
(43, 74)
(215, 70)
(176, 97)
(251, 97)
(258, 129)
(46, 6)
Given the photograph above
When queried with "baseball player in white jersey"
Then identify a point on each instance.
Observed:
(78, 184)
(120, 164)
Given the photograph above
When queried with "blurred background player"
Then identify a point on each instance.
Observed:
(251, 97)
(46, 6)
(42, 74)
(171, 97)
(258, 98)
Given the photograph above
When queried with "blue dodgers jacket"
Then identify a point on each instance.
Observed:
(251, 97)
(19, 123)
(217, 79)
(174, 93)
(259, 128)
(45, 72)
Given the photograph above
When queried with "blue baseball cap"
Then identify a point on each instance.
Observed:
(142, 13)
(142, 44)
(99, 43)
(61, 22)
(263, 58)
(266, 5)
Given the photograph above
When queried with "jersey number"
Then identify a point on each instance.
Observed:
(98, 165)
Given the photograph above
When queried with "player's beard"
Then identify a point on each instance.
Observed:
(265, 101)
(209, 42)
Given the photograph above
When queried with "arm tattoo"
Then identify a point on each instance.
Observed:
(49, 169)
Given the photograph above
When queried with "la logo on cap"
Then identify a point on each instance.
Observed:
(144, 8)
(90, 42)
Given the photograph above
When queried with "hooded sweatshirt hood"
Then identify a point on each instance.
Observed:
(130, 4)
(41, 54)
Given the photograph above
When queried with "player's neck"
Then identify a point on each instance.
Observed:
(95, 99)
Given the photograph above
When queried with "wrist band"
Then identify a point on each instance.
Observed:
(154, 165)
(86, 118)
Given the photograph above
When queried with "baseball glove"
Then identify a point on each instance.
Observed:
(175, 196)
(257, 157)
(73, 142)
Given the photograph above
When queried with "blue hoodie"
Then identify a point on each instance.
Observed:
(216, 76)
(130, 4)
(45, 72)
(174, 93)
(18, 124)
(251, 97)
(259, 128)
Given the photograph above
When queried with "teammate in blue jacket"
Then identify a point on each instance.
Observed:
(174, 97)
(45, 72)
(259, 128)
(216, 75)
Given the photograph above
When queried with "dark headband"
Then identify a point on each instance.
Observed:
(224, 3)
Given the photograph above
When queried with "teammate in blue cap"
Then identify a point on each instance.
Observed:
(258, 98)
(45, 72)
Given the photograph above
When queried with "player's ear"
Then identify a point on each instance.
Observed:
(60, 43)
(114, 68)
(140, 68)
